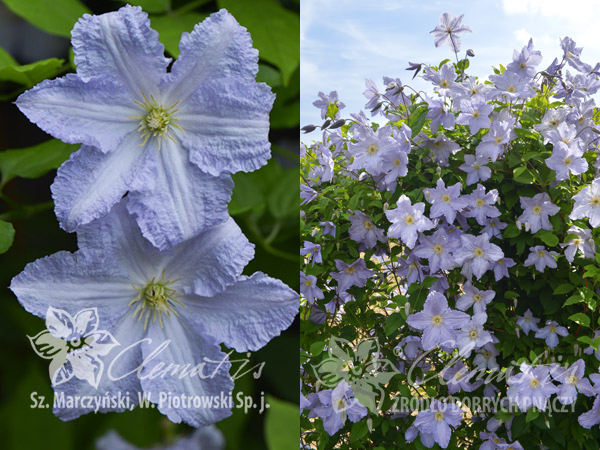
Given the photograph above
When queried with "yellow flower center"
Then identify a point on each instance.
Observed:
(437, 248)
(372, 149)
(437, 320)
(479, 202)
(157, 121)
(541, 253)
(567, 161)
(595, 200)
(537, 210)
(478, 252)
(476, 114)
(552, 329)
(439, 416)
(307, 283)
(477, 298)
(511, 88)
(350, 270)
(476, 166)
(473, 334)
(572, 379)
(408, 220)
(446, 197)
(368, 225)
(444, 83)
(498, 140)
(534, 383)
(155, 299)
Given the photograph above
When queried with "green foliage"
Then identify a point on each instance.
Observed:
(52, 16)
(567, 295)
(279, 43)
(33, 162)
(264, 204)
(152, 6)
(7, 236)
(281, 425)
(170, 28)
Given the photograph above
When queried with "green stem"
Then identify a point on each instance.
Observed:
(27, 211)
(189, 7)
(285, 153)
(266, 245)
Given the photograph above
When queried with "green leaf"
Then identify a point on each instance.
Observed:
(563, 289)
(547, 237)
(393, 323)
(284, 199)
(359, 431)
(52, 16)
(580, 319)
(511, 231)
(574, 299)
(281, 424)
(170, 28)
(417, 120)
(151, 6)
(523, 175)
(7, 236)
(532, 414)
(31, 74)
(33, 162)
(246, 194)
(316, 348)
(275, 31)
(6, 59)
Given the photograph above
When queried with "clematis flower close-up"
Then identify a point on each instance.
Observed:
(167, 138)
(166, 309)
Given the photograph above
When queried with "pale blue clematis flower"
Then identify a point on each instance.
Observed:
(407, 221)
(477, 255)
(353, 274)
(527, 322)
(167, 138)
(587, 204)
(551, 332)
(438, 322)
(536, 211)
(448, 30)
(531, 387)
(541, 258)
(206, 438)
(336, 405)
(188, 299)
(435, 424)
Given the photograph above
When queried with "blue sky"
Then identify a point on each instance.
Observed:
(343, 42)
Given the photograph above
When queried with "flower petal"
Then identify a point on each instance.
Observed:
(90, 182)
(120, 45)
(247, 314)
(179, 200)
(171, 370)
(226, 125)
(218, 47)
(59, 323)
(73, 282)
(118, 380)
(86, 321)
(93, 113)
(210, 261)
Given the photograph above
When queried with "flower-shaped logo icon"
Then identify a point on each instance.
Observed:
(73, 344)
(360, 365)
